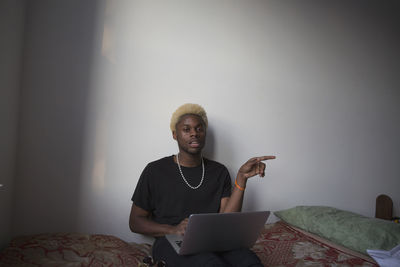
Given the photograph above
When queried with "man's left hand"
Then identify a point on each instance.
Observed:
(254, 166)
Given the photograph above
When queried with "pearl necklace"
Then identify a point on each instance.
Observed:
(183, 177)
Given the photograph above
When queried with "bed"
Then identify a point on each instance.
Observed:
(305, 236)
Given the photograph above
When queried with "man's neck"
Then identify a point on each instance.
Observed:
(189, 160)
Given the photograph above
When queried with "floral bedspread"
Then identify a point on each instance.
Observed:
(70, 249)
(284, 245)
(278, 245)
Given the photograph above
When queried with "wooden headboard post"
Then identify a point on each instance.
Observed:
(384, 207)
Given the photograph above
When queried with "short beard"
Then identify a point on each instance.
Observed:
(186, 150)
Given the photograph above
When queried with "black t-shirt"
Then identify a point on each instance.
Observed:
(162, 191)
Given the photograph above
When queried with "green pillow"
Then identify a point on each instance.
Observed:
(348, 229)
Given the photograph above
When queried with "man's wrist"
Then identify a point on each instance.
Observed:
(240, 182)
(170, 229)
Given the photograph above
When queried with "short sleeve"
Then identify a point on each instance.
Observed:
(142, 196)
(227, 184)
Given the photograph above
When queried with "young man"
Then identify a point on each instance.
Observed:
(172, 188)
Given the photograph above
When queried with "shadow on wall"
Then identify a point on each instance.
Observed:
(209, 149)
(60, 44)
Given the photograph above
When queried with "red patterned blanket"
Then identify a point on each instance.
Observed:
(70, 249)
(284, 245)
(278, 245)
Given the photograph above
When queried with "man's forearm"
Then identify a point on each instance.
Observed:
(146, 226)
(236, 199)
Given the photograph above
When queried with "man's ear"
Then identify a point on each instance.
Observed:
(174, 134)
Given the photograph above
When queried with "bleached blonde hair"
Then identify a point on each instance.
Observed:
(187, 109)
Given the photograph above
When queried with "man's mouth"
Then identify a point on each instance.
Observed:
(194, 144)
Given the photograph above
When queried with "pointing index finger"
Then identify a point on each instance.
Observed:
(265, 158)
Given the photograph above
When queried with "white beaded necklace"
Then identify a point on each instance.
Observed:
(183, 177)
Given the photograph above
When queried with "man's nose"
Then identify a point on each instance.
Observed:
(193, 132)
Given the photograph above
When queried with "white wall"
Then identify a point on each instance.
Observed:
(313, 83)
(12, 14)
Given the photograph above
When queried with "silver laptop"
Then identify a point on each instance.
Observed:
(219, 232)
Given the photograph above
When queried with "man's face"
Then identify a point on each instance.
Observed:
(190, 134)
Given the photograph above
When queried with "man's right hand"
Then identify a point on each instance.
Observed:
(180, 229)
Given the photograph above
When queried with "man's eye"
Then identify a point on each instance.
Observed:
(186, 129)
(199, 129)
